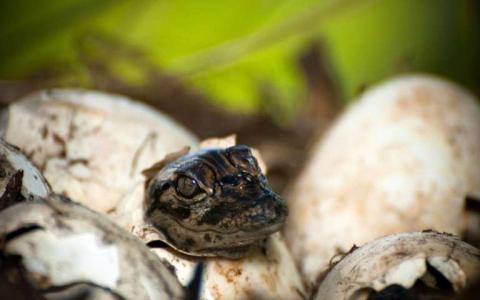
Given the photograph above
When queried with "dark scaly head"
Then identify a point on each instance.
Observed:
(214, 202)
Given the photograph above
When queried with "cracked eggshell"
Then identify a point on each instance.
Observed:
(406, 260)
(63, 245)
(19, 179)
(402, 158)
(267, 272)
(89, 145)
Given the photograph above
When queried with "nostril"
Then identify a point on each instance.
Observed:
(282, 209)
(279, 206)
(269, 205)
(275, 209)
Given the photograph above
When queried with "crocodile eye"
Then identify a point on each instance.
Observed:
(187, 187)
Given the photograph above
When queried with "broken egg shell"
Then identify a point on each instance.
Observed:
(19, 178)
(267, 272)
(401, 259)
(63, 244)
(402, 158)
(91, 146)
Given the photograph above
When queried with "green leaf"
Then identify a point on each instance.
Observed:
(239, 53)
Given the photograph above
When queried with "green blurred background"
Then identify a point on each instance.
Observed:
(231, 52)
(274, 72)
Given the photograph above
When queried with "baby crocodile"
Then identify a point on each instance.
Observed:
(214, 202)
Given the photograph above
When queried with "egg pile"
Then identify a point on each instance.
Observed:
(399, 166)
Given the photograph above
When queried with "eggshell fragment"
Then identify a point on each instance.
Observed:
(89, 145)
(63, 245)
(411, 263)
(19, 179)
(402, 158)
(267, 272)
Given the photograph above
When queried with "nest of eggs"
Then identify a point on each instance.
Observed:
(399, 166)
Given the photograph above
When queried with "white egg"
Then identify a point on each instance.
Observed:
(90, 145)
(403, 157)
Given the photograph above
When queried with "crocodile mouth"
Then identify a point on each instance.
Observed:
(264, 214)
(232, 249)
(227, 229)
(239, 238)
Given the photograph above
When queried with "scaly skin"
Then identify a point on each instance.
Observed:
(214, 202)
